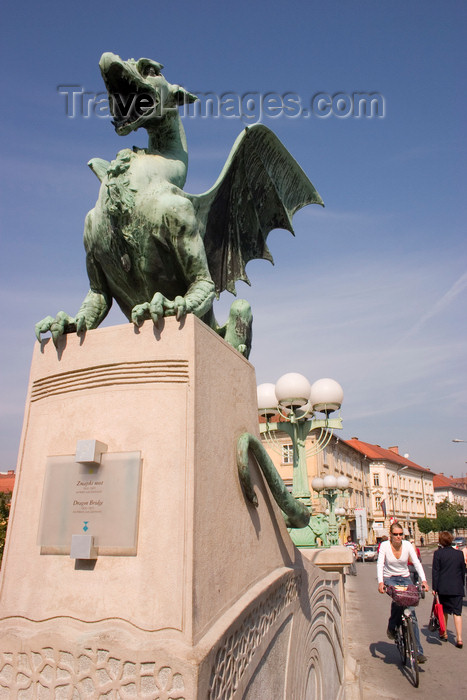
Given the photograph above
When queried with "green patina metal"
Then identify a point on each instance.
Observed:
(331, 497)
(296, 513)
(319, 525)
(304, 528)
(159, 251)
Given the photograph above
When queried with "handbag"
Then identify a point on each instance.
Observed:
(436, 623)
(433, 623)
(440, 615)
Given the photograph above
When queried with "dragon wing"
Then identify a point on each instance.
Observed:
(259, 189)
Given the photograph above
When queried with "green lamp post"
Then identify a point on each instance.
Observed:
(331, 488)
(296, 402)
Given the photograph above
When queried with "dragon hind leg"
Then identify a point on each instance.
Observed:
(238, 329)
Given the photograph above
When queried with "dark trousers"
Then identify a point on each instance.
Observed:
(396, 610)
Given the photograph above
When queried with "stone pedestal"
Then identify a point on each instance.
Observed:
(214, 601)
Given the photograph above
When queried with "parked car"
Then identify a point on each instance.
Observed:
(459, 542)
(370, 551)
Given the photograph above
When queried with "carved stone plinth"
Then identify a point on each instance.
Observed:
(216, 603)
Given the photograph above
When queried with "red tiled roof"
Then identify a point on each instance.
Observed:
(374, 452)
(273, 419)
(7, 481)
(441, 481)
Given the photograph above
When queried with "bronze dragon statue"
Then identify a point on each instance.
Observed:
(159, 251)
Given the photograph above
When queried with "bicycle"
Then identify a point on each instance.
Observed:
(406, 596)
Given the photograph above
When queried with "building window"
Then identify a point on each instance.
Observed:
(287, 454)
(378, 502)
(376, 479)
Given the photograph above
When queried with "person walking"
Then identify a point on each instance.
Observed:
(353, 547)
(393, 570)
(448, 582)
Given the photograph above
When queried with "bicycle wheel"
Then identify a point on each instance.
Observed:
(400, 643)
(411, 653)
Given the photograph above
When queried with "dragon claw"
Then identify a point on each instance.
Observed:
(156, 307)
(61, 322)
(80, 321)
(43, 326)
(180, 307)
(140, 313)
(57, 326)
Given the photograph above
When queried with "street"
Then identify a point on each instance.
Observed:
(381, 674)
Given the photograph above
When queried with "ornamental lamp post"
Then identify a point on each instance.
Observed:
(295, 401)
(331, 488)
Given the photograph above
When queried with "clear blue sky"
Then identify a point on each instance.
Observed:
(372, 291)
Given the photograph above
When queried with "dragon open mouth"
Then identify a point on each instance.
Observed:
(132, 101)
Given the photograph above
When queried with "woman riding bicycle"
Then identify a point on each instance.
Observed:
(393, 570)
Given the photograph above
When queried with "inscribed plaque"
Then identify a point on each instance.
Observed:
(99, 500)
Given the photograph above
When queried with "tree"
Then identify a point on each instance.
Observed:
(447, 506)
(5, 500)
(426, 525)
(448, 516)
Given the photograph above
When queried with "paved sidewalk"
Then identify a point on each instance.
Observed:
(443, 677)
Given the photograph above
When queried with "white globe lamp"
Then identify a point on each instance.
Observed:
(318, 484)
(330, 482)
(292, 390)
(342, 483)
(267, 402)
(326, 395)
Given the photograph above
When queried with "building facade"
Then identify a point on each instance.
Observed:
(340, 458)
(337, 459)
(383, 485)
(460, 481)
(448, 488)
(399, 489)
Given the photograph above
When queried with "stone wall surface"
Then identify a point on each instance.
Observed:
(216, 603)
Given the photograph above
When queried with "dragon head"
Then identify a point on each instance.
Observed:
(139, 95)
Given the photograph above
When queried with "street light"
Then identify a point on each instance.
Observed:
(331, 488)
(295, 401)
